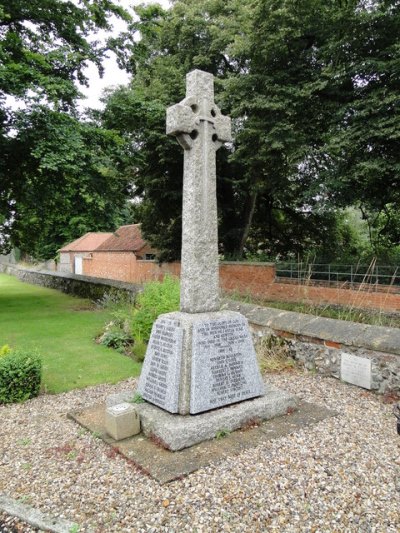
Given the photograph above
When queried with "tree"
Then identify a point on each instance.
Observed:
(361, 158)
(283, 108)
(45, 46)
(55, 169)
(191, 35)
(264, 57)
(70, 180)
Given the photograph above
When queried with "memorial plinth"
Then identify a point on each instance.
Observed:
(198, 362)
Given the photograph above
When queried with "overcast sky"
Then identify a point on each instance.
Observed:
(112, 75)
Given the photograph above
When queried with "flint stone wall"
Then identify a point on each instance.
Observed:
(318, 342)
(82, 286)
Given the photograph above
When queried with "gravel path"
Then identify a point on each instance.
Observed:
(340, 475)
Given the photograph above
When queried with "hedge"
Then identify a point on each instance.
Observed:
(20, 376)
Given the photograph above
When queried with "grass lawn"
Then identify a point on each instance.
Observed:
(62, 328)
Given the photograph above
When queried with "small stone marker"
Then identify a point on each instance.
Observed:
(200, 358)
(122, 421)
(356, 370)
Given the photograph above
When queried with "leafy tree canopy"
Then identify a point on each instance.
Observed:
(67, 179)
(313, 91)
(44, 46)
(312, 88)
(57, 172)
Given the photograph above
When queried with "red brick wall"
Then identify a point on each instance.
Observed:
(124, 266)
(246, 278)
(256, 279)
(320, 295)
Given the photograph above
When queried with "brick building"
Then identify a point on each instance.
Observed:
(117, 257)
(71, 255)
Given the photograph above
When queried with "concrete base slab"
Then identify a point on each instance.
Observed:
(176, 432)
(165, 465)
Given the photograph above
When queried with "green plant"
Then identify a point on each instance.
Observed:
(20, 376)
(222, 433)
(137, 398)
(72, 455)
(4, 350)
(157, 298)
(25, 441)
(273, 354)
(139, 349)
(115, 338)
(74, 528)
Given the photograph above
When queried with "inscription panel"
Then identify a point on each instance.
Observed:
(160, 377)
(224, 365)
(356, 370)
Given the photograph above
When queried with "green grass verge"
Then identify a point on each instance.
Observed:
(62, 328)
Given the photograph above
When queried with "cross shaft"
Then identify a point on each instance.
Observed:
(200, 129)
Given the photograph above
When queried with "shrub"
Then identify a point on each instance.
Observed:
(117, 339)
(157, 298)
(20, 375)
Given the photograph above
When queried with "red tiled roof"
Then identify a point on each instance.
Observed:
(87, 243)
(125, 239)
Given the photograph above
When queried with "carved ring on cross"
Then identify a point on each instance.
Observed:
(188, 119)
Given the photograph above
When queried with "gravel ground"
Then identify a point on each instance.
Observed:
(342, 475)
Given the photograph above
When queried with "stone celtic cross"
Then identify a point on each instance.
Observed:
(200, 358)
(200, 129)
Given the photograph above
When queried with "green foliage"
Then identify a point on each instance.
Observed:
(60, 176)
(116, 338)
(131, 326)
(157, 298)
(20, 376)
(45, 45)
(360, 159)
(137, 398)
(4, 350)
(64, 178)
(312, 89)
(222, 433)
(273, 354)
(189, 35)
(139, 349)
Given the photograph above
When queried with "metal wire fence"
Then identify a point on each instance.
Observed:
(372, 274)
